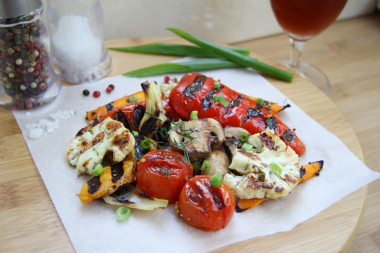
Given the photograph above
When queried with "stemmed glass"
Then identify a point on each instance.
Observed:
(302, 20)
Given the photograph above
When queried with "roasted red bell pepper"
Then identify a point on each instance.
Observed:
(197, 92)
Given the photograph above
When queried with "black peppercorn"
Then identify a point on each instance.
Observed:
(86, 92)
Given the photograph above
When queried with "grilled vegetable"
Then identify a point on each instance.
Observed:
(218, 163)
(197, 137)
(271, 106)
(94, 141)
(196, 92)
(205, 207)
(244, 204)
(109, 181)
(125, 104)
(306, 172)
(270, 169)
(154, 116)
(310, 170)
(162, 174)
(99, 113)
(131, 196)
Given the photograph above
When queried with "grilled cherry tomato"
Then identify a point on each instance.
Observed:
(197, 92)
(205, 207)
(162, 174)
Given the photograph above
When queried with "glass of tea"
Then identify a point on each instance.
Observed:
(302, 20)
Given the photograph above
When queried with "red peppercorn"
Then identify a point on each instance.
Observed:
(112, 86)
(29, 103)
(109, 89)
(166, 79)
(38, 67)
(9, 35)
(4, 55)
(96, 94)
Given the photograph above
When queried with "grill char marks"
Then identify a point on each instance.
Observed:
(117, 172)
(194, 87)
(93, 184)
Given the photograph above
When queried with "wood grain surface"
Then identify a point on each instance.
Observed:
(29, 222)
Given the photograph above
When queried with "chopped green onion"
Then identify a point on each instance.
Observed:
(247, 146)
(206, 165)
(98, 170)
(145, 144)
(217, 85)
(216, 180)
(276, 168)
(194, 115)
(260, 101)
(182, 67)
(132, 99)
(173, 49)
(135, 133)
(233, 56)
(123, 213)
(221, 99)
(243, 136)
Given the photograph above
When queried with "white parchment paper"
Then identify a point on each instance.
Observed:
(93, 227)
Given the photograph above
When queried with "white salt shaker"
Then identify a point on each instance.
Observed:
(76, 35)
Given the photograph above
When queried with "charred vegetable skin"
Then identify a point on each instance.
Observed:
(307, 172)
(109, 181)
(197, 92)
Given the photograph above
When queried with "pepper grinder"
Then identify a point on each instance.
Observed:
(76, 34)
(27, 79)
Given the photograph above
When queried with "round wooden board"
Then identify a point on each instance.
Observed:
(22, 189)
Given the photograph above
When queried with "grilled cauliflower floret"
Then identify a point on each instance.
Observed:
(166, 88)
(270, 169)
(92, 143)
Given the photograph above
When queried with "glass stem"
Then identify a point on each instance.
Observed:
(296, 52)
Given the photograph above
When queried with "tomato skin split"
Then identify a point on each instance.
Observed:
(205, 207)
(162, 174)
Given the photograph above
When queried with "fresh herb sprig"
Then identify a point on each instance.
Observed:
(185, 133)
(182, 145)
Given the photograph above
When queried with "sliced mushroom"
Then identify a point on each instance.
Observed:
(197, 137)
(154, 116)
(219, 163)
(234, 132)
(233, 141)
(131, 196)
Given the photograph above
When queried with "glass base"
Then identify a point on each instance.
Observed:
(311, 73)
(87, 74)
(26, 101)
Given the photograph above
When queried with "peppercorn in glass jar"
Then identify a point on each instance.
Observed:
(27, 79)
